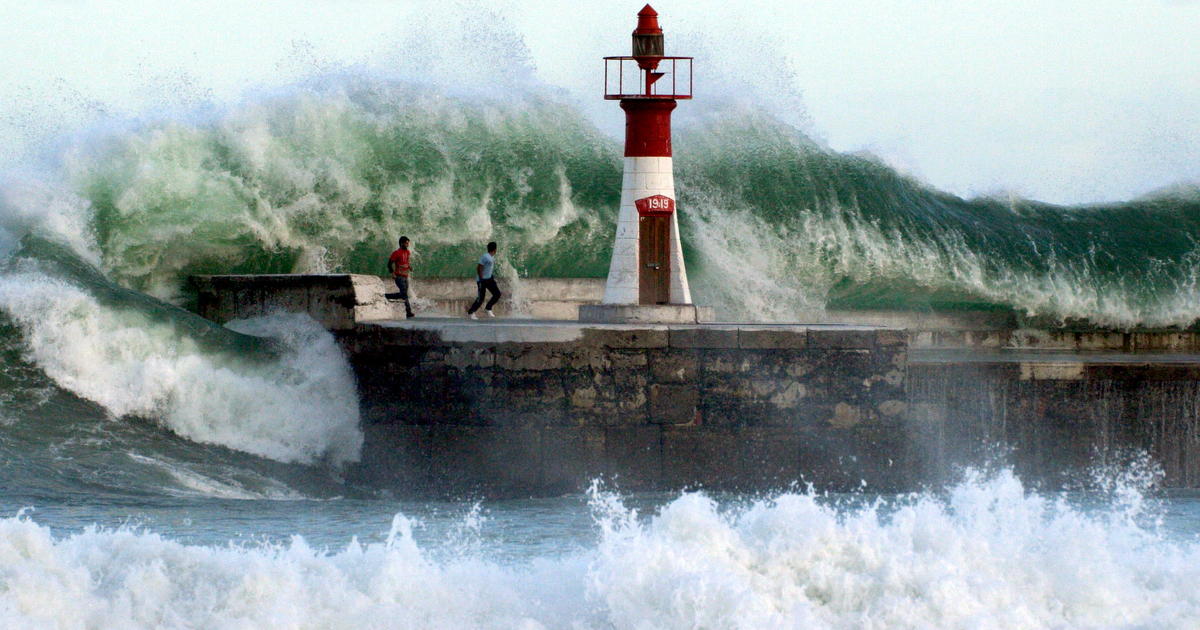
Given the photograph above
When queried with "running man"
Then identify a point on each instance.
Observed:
(399, 267)
(485, 281)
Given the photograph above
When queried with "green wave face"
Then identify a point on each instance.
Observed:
(774, 226)
(794, 224)
(328, 181)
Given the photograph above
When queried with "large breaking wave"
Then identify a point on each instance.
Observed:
(325, 178)
(277, 387)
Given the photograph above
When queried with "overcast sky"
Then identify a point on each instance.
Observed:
(1066, 101)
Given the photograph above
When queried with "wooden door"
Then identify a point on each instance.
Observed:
(654, 256)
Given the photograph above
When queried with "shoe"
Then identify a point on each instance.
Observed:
(471, 316)
(410, 315)
(490, 313)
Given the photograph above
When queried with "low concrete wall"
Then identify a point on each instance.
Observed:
(339, 301)
(992, 330)
(537, 298)
(450, 410)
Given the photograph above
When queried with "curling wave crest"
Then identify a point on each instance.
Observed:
(297, 405)
(324, 177)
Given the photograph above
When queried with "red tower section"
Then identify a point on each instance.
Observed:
(647, 83)
(647, 267)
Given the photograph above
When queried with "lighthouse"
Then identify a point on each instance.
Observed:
(647, 281)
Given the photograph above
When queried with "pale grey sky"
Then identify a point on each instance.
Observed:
(1066, 101)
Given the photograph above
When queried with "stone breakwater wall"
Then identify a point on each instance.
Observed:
(543, 410)
(524, 407)
(1056, 417)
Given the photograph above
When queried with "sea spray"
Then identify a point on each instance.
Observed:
(990, 554)
(766, 209)
(337, 173)
(326, 175)
(987, 553)
(299, 406)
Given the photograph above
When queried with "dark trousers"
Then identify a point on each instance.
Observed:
(486, 285)
(402, 285)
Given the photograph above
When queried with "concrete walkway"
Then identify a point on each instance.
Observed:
(955, 355)
(520, 330)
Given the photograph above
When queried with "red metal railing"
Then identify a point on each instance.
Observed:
(674, 82)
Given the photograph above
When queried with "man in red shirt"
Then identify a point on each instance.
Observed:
(399, 267)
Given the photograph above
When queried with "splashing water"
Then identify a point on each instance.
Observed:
(298, 407)
(325, 177)
(987, 554)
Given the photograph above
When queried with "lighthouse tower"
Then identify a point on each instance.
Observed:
(647, 281)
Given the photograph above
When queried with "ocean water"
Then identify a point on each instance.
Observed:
(160, 471)
(985, 553)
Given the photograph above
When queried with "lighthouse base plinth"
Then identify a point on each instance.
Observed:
(645, 313)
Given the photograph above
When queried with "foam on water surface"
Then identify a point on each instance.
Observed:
(299, 406)
(987, 554)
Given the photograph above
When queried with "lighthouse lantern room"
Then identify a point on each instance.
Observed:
(647, 262)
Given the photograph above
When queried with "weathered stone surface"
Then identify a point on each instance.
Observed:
(701, 457)
(628, 359)
(644, 314)
(845, 416)
(502, 409)
(530, 356)
(464, 357)
(509, 408)
(704, 337)
(725, 361)
(892, 407)
(674, 404)
(770, 457)
(470, 460)
(1102, 341)
(1052, 371)
(1163, 341)
(788, 395)
(634, 456)
(571, 458)
(891, 337)
(673, 366)
(772, 339)
(848, 338)
(396, 455)
(626, 338)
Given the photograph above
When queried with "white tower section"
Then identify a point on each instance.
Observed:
(644, 177)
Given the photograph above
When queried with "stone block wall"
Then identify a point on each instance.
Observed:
(1056, 423)
(336, 301)
(720, 407)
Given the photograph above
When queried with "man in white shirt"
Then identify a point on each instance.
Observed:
(485, 281)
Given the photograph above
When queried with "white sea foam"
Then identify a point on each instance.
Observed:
(299, 407)
(753, 269)
(187, 481)
(988, 555)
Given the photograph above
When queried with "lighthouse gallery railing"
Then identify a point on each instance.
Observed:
(621, 73)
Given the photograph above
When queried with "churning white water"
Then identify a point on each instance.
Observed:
(988, 554)
(300, 406)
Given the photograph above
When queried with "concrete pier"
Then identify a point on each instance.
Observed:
(536, 407)
(526, 406)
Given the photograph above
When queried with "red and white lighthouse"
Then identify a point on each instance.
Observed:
(647, 261)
